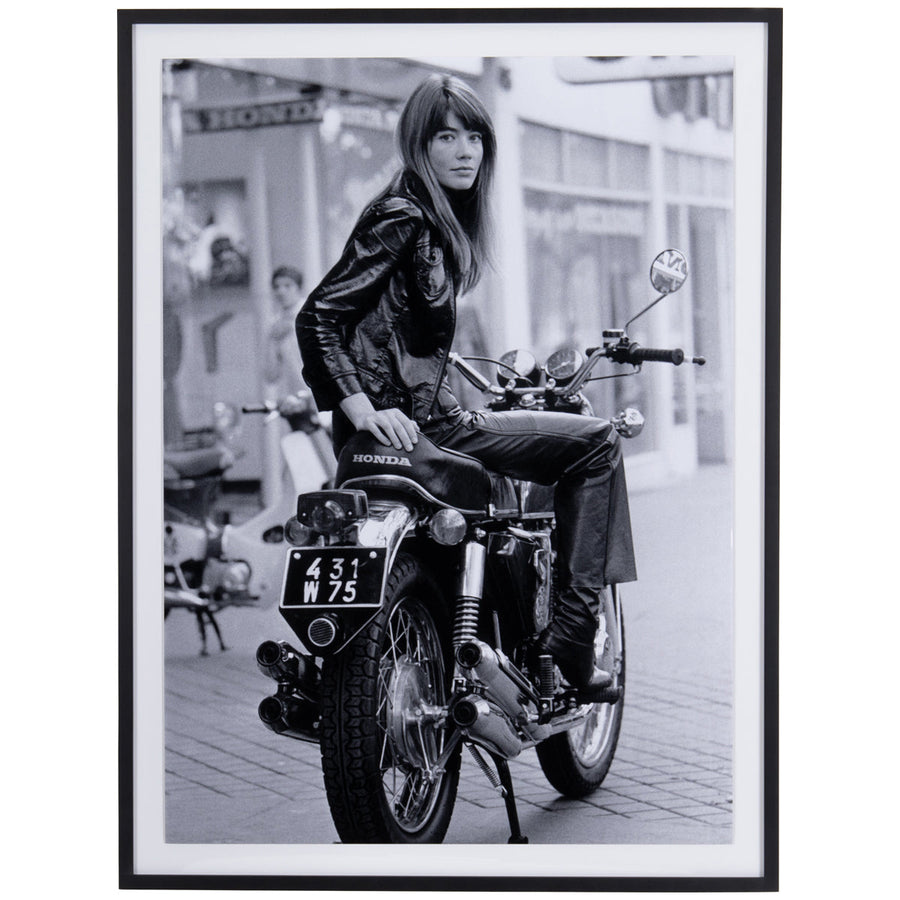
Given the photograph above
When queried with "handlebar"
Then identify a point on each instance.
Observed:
(473, 376)
(624, 351)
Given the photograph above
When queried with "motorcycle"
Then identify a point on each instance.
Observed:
(209, 565)
(417, 589)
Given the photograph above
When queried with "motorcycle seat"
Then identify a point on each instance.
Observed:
(197, 462)
(447, 476)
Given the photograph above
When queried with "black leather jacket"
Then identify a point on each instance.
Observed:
(383, 318)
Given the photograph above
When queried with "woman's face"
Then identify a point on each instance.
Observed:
(455, 154)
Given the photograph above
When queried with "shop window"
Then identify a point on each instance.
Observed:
(587, 271)
(673, 182)
(541, 152)
(357, 164)
(720, 182)
(580, 160)
(586, 161)
(692, 181)
(697, 176)
(630, 166)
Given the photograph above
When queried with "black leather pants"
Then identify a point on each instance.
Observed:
(582, 456)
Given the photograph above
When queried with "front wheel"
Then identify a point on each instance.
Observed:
(389, 774)
(577, 761)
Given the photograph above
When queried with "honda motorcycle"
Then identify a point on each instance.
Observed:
(418, 588)
(208, 566)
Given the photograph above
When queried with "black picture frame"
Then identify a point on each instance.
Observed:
(129, 877)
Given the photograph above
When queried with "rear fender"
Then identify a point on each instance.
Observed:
(386, 526)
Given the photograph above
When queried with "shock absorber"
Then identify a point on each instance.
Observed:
(468, 598)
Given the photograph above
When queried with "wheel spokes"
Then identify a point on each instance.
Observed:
(408, 687)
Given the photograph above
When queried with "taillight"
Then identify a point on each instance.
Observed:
(331, 512)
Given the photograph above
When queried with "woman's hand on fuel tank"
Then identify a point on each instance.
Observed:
(392, 427)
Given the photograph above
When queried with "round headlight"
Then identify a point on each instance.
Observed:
(447, 527)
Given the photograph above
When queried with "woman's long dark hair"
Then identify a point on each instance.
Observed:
(462, 217)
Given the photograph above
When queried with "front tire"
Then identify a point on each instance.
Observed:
(576, 762)
(380, 730)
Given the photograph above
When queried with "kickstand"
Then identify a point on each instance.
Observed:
(516, 836)
(504, 785)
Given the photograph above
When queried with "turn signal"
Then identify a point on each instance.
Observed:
(447, 527)
(296, 533)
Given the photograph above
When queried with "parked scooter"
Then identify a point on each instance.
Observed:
(208, 565)
(418, 589)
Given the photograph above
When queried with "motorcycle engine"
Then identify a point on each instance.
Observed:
(518, 580)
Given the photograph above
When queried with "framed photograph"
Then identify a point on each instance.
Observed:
(360, 676)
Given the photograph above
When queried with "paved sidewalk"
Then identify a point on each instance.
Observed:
(230, 780)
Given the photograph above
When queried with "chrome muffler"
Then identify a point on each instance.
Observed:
(502, 703)
(294, 708)
(504, 684)
(509, 692)
(486, 724)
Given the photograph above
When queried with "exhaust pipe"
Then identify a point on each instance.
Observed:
(504, 684)
(294, 709)
(279, 661)
(509, 689)
(486, 724)
(291, 715)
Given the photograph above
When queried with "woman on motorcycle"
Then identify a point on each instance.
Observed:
(376, 333)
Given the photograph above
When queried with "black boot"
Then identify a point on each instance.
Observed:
(575, 660)
(585, 509)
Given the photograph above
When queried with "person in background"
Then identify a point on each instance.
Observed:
(282, 364)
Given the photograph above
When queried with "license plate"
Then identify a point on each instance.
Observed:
(334, 577)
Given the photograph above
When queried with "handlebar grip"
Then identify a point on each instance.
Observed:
(256, 408)
(648, 354)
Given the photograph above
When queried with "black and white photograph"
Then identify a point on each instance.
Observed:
(238, 152)
(455, 399)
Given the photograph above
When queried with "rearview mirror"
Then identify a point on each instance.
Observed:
(669, 271)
